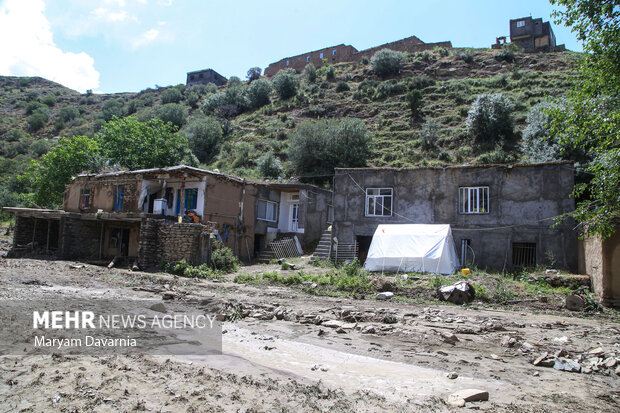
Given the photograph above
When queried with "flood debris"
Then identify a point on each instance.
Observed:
(459, 293)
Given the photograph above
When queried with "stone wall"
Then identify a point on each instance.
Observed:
(80, 238)
(169, 242)
(31, 234)
(600, 259)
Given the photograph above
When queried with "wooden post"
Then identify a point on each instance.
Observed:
(101, 242)
(47, 241)
(34, 231)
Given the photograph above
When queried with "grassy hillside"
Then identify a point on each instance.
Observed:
(34, 112)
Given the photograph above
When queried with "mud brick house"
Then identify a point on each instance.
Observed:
(204, 77)
(533, 35)
(136, 214)
(501, 215)
(600, 259)
(346, 53)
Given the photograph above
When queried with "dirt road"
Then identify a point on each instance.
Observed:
(285, 350)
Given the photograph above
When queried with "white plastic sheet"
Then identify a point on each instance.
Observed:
(412, 248)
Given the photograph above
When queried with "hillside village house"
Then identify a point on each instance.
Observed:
(501, 215)
(136, 214)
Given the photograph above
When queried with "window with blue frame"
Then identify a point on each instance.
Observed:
(191, 199)
(119, 194)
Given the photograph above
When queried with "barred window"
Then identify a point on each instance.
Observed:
(379, 202)
(474, 200)
(521, 23)
(84, 198)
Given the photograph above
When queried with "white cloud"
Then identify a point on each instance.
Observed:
(110, 16)
(27, 48)
(145, 38)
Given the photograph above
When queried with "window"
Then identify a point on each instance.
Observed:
(84, 198)
(267, 210)
(119, 194)
(191, 199)
(307, 58)
(474, 200)
(521, 23)
(523, 254)
(321, 55)
(334, 52)
(378, 202)
(200, 75)
(287, 62)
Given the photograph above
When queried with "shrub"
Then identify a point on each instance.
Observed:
(387, 62)
(537, 145)
(507, 54)
(223, 259)
(318, 146)
(183, 269)
(253, 74)
(204, 136)
(286, 83)
(466, 55)
(269, 166)
(68, 113)
(39, 147)
(112, 108)
(211, 87)
(171, 95)
(310, 72)
(174, 113)
(441, 51)
(429, 134)
(330, 73)
(234, 81)
(490, 119)
(16, 134)
(364, 60)
(258, 93)
(32, 107)
(415, 101)
(49, 100)
(342, 87)
(192, 99)
(421, 82)
(36, 121)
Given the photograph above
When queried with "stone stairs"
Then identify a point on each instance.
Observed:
(324, 247)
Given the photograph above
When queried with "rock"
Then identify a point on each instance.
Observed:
(168, 295)
(536, 374)
(341, 330)
(452, 375)
(618, 371)
(508, 341)
(552, 272)
(159, 307)
(386, 295)
(561, 340)
(567, 365)
(321, 333)
(368, 330)
(598, 350)
(221, 317)
(574, 303)
(459, 293)
(306, 283)
(332, 324)
(526, 347)
(468, 395)
(404, 277)
(610, 362)
(540, 359)
(449, 337)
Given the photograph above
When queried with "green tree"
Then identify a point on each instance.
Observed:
(36, 121)
(253, 74)
(415, 101)
(310, 72)
(135, 145)
(234, 81)
(319, 146)
(48, 177)
(174, 113)
(536, 144)
(387, 62)
(269, 166)
(490, 120)
(285, 83)
(258, 93)
(204, 136)
(590, 120)
(429, 134)
(112, 108)
(171, 95)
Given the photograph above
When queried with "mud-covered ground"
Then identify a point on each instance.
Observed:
(286, 350)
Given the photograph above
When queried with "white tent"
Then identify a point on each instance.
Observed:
(412, 247)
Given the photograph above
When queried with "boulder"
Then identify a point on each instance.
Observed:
(575, 303)
(459, 293)
(385, 295)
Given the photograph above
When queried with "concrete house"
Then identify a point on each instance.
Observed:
(501, 215)
(168, 214)
(204, 77)
(533, 35)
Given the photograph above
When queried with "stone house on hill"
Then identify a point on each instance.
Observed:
(168, 214)
(204, 77)
(346, 53)
(533, 35)
(501, 215)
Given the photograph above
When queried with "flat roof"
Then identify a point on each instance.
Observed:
(466, 166)
(162, 170)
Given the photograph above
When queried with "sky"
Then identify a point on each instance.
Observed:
(113, 46)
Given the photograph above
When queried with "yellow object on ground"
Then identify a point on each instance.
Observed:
(465, 271)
